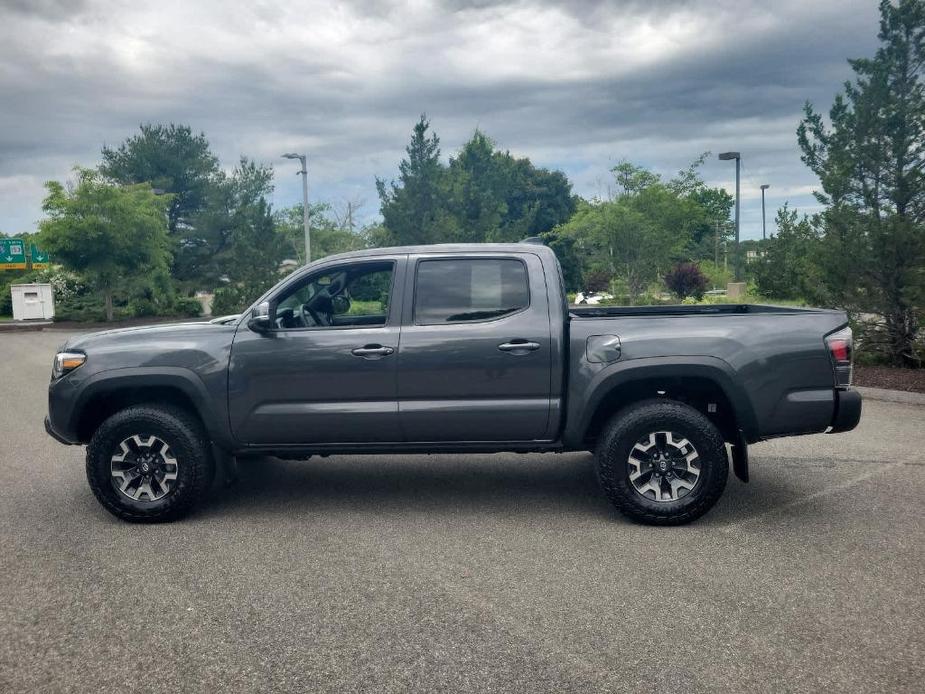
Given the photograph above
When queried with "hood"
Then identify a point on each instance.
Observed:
(168, 333)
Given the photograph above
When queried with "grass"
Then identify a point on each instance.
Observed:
(365, 308)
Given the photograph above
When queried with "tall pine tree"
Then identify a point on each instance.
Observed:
(412, 208)
(870, 161)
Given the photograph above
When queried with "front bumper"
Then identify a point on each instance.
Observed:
(847, 411)
(55, 435)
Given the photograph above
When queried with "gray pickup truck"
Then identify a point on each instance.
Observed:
(456, 348)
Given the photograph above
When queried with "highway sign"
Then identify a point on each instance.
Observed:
(39, 258)
(12, 254)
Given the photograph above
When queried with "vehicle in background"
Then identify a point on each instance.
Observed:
(592, 298)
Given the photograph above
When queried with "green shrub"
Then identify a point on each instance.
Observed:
(87, 307)
(140, 307)
(187, 306)
(229, 300)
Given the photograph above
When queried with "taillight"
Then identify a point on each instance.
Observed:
(839, 345)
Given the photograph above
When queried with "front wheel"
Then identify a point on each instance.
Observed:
(662, 462)
(149, 463)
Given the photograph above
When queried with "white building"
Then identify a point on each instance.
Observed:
(32, 302)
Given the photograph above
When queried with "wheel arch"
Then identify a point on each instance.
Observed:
(110, 392)
(699, 382)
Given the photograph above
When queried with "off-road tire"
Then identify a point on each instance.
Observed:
(621, 434)
(187, 440)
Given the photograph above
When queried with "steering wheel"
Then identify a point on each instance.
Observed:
(310, 318)
(319, 309)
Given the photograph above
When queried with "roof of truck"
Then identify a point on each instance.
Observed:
(521, 247)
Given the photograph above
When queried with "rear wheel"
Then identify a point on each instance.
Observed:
(149, 463)
(662, 462)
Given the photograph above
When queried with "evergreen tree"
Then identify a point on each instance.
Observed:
(871, 162)
(172, 159)
(412, 209)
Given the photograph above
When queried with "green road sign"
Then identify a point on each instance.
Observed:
(12, 254)
(39, 258)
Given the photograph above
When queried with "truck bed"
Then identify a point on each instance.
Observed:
(683, 310)
(772, 359)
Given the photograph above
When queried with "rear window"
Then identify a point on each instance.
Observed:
(450, 291)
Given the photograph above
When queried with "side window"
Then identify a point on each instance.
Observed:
(350, 295)
(451, 291)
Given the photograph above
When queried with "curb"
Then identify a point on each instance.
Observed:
(885, 395)
(6, 327)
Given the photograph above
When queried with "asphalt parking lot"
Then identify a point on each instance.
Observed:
(506, 573)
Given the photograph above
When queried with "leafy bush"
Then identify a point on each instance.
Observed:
(187, 306)
(64, 283)
(686, 279)
(84, 307)
(231, 299)
(717, 275)
(140, 307)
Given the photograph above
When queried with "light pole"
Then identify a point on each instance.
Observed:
(304, 174)
(764, 226)
(726, 156)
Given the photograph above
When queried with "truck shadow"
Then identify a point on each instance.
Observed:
(503, 485)
(478, 483)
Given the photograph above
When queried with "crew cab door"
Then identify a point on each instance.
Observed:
(475, 355)
(326, 372)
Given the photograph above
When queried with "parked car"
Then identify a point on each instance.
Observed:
(592, 298)
(469, 348)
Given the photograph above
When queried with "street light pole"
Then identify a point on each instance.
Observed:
(725, 156)
(764, 225)
(305, 222)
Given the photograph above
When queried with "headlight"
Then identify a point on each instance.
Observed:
(66, 362)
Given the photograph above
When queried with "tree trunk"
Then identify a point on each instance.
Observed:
(107, 301)
(901, 330)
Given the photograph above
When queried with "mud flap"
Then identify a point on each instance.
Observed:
(226, 467)
(740, 458)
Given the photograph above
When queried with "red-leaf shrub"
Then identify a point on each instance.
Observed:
(686, 279)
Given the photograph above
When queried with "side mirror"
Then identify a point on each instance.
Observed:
(260, 321)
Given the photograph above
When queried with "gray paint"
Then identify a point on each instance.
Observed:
(448, 386)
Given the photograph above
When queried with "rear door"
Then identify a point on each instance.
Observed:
(475, 355)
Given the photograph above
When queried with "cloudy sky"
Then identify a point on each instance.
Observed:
(574, 85)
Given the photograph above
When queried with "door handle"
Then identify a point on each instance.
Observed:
(519, 346)
(372, 351)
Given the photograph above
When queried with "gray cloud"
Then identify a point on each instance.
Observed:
(576, 85)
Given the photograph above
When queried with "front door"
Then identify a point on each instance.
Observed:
(475, 358)
(326, 372)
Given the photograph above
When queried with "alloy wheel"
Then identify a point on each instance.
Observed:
(663, 466)
(144, 468)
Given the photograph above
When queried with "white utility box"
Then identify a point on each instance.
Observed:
(32, 302)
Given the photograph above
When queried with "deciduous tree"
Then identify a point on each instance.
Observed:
(108, 233)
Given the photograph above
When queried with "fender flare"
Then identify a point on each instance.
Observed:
(620, 374)
(184, 380)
